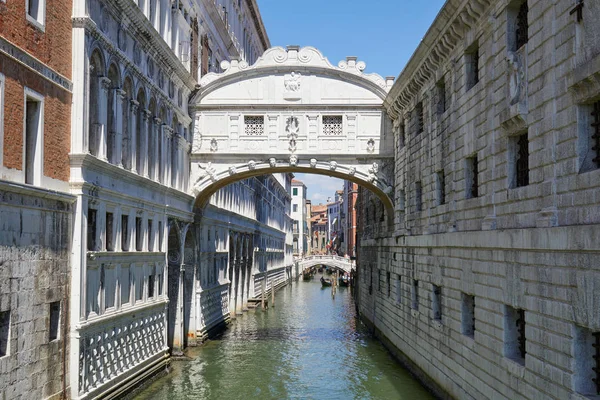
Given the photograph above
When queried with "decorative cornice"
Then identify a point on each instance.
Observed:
(450, 26)
(296, 59)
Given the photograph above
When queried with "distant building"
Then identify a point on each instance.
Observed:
(319, 228)
(349, 218)
(298, 215)
(307, 218)
(334, 224)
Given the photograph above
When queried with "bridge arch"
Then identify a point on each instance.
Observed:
(338, 262)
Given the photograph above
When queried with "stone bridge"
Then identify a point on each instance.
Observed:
(342, 263)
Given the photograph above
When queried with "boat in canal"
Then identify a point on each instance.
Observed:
(325, 282)
(344, 280)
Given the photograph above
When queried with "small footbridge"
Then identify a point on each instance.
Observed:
(338, 262)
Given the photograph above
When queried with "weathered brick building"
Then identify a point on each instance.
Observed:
(35, 207)
(488, 287)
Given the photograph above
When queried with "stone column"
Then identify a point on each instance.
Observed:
(167, 156)
(133, 134)
(162, 131)
(156, 137)
(102, 116)
(146, 130)
(118, 150)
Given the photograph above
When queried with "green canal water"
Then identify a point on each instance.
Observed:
(309, 346)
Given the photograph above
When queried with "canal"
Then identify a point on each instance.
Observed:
(309, 346)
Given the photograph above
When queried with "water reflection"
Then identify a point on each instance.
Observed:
(309, 346)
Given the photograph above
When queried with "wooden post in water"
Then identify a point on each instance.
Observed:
(262, 300)
(272, 294)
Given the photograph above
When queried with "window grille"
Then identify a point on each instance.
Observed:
(388, 279)
(596, 356)
(441, 93)
(418, 196)
(596, 132)
(332, 125)
(441, 180)
(437, 303)
(415, 294)
(522, 25)
(473, 181)
(522, 163)
(254, 125)
(521, 332)
(473, 67)
(420, 118)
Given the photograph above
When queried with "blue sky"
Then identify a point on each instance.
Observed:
(382, 33)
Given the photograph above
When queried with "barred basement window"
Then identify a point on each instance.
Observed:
(588, 144)
(398, 289)
(53, 329)
(91, 229)
(468, 315)
(471, 177)
(415, 294)
(4, 333)
(522, 160)
(254, 125)
(124, 232)
(436, 303)
(514, 334)
(388, 279)
(420, 117)
(332, 125)
(472, 66)
(441, 96)
(586, 346)
(522, 26)
(418, 196)
(440, 187)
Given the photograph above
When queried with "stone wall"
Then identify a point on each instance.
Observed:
(35, 233)
(469, 279)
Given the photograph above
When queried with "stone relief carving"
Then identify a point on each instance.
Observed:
(232, 170)
(333, 165)
(371, 145)
(352, 171)
(293, 160)
(292, 126)
(204, 171)
(272, 162)
(292, 145)
(251, 165)
(292, 82)
(313, 162)
(214, 145)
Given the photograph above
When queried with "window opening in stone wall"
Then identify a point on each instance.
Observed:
(332, 125)
(514, 334)
(522, 160)
(4, 333)
(139, 283)
(418, 196)
(150, 236)
(468, 315)
(441, 96)
(472, 177)
(472, 66)
(254, 125)
(441, 187)
(415, 294)
(586, 354)
(160, 236)
(402, 200)
(53, 329)
(388, 280)
(522, 26)
(110, 243)
(398, 289)
(379, 279)
(125, 283)
(436, 302)
(151, 281)
(371, 280)
(33, 135)
(420, 117)
(124, 232)
(91, 229)
(589, 141)
(138, 234)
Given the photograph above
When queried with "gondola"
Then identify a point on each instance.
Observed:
(307, 276)
(325, 281)
(344, 280)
